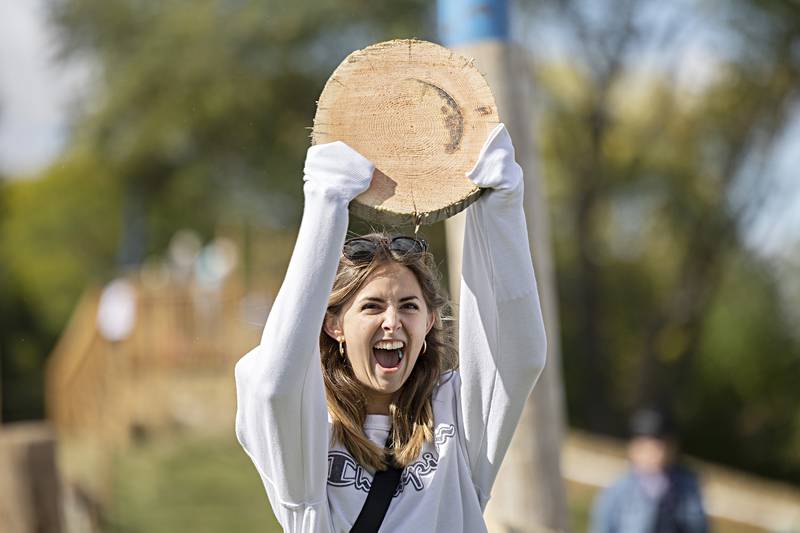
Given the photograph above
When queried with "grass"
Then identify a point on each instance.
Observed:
(579, 499)
(188, 483)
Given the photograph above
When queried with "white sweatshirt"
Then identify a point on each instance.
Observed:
(282, 420)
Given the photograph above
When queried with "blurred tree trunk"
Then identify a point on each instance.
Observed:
(591, 187)
(588, 187)
(132, 243)
(529, 493)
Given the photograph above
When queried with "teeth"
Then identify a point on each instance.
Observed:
(399, 354)
(389, 345)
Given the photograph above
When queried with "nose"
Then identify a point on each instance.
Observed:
(391, 320)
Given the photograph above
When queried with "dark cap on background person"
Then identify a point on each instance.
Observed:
(652, 422)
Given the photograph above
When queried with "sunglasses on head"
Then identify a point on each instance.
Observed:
(363, 249)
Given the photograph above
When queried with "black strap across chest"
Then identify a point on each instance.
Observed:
(384, 483)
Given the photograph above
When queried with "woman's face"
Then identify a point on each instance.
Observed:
(384, 326)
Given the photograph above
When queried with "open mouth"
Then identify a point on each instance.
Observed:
(388, 354)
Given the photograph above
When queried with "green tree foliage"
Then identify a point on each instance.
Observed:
(199, 116)
(205, 106)
(56, 233)
(21, 339)
(655, 183)
(745, 383)
(61, 231)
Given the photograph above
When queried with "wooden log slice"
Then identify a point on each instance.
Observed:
(421, 114)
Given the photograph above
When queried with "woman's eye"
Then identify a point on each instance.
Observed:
(368, 306)
(411, 306)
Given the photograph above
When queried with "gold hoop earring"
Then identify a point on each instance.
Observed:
(341, 346)
(424, 347)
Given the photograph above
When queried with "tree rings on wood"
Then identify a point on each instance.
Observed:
(421, 114)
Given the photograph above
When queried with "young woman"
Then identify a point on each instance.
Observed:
(370, 310)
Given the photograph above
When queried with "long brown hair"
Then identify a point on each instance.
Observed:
(411, 410)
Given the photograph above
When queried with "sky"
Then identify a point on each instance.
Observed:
(37, 93)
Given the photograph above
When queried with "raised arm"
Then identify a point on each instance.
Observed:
(501, 331)
(281, 418)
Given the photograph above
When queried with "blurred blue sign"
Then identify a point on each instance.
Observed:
(465, 21)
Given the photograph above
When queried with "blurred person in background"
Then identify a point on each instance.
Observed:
(657, 494)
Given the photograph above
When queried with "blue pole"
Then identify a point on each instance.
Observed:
(529, 494)
(463, 22)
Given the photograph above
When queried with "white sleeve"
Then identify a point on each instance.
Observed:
(281, 418)
(502, 342)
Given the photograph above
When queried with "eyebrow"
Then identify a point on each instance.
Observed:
(381, 300)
